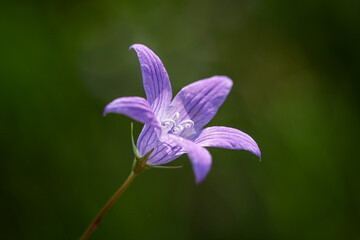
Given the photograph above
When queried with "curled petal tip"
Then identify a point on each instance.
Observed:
(201, 174)
(198, 181)
(135, 45)
(257, 152)
(106, 111)
(228, 82)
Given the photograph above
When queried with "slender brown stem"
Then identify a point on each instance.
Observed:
(95, 223)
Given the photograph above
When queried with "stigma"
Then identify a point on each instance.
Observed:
(174, 126)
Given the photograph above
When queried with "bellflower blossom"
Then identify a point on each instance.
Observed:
(175, 126)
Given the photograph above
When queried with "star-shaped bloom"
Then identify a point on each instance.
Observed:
(176, 126)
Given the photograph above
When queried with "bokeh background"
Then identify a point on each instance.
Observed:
(295, 67)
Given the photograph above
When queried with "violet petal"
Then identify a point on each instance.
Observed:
(199, 156)
(155, 79)
(136, 108)
(225, 137)
(201, 100)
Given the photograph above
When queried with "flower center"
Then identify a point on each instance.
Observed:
(177, 127)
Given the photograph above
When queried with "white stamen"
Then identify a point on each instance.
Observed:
(187, 124)
(168, 122)
(176, 127)
(176, 116)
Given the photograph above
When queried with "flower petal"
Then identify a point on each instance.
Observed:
(135, 107)
(225, 137)
(164, 151)
(200, 100)
(200, 157)
(148, 140)
(155, 79)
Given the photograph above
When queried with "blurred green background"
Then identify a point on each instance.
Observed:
(295, 67)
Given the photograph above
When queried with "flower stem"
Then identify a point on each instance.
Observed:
(95, 223)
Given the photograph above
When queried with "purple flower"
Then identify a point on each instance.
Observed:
(174, 127)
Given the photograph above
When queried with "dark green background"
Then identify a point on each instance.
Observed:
(295, 67)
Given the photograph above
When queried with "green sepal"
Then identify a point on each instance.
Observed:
(163, 167)
(135, 149)
(140, 163)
